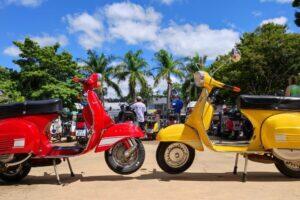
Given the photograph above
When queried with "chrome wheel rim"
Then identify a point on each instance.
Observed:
(176, 155)
(14, 171)
(118, 155)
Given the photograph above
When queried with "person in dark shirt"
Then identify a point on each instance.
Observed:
(177, 105)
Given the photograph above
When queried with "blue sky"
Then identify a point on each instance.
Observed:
(209, 27)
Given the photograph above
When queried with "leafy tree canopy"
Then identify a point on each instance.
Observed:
(269, 56)
(46, 73)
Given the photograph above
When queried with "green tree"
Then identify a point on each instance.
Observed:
(133, 68)
(168, 66)
(102, 64)
(193, 64)
(9, 87)
(296, 4)
(46, 73)
(269, 56)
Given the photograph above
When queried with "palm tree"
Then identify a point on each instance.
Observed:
(194, 64)
(101, 64)
(133, 68)
(168, 67)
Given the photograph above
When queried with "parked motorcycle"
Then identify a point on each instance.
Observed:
(25, 141)
(273, 121)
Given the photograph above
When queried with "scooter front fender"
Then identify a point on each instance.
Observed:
(118, 132)
(180, 133)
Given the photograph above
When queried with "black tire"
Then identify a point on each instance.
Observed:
(160, 158)
(126, 169)
(13, 177)
(287, 171)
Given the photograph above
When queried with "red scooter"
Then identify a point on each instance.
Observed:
(25, 137)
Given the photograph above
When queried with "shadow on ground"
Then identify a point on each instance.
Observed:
(66, 179)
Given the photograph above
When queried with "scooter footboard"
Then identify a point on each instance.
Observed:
(181, 133)
(116, 133)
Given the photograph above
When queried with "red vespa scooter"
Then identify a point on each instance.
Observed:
(25, 139)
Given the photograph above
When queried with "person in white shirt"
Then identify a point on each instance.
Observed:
(139, 108)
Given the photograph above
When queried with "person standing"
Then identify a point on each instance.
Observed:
(293, 90)
(139, 108)
(177, 105)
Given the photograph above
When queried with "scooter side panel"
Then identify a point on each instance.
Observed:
(18, 136)
(118, 132)
(282, 131)
(181, 133)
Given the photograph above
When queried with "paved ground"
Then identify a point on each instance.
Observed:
(209, 177)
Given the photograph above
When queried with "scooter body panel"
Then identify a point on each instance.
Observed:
(281, 131)
(118, 132)
(21, 135)
(180, 133)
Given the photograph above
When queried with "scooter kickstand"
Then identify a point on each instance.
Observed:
(55, 171)
(245, 169)
(70, 167)
(236, 164)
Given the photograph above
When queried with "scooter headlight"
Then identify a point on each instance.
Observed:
(199, 78)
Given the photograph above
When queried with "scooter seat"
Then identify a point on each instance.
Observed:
(30, 108)
(268, 102)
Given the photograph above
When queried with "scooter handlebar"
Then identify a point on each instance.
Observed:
(232, 88)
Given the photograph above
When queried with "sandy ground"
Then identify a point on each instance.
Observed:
(210, 177)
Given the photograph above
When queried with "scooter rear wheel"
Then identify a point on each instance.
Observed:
(174, 157)
(117, 162)
(289, 169)
(16, 174)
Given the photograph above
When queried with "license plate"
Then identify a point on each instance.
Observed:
(80, 133)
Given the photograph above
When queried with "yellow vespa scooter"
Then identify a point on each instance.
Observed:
(274, 124)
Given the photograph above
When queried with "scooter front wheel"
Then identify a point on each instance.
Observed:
(174, 157)
(118, 162)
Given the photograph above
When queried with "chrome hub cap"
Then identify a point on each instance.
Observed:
(176, 155)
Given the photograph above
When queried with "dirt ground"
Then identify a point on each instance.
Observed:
(210, 177)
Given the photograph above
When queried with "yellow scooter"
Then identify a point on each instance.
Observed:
(274, 123)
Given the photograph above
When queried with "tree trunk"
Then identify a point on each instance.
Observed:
(169, 93)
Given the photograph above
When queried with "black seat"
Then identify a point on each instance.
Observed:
(269, 102)
(30, 108)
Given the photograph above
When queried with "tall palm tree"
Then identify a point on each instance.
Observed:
(193, 64)
(168, 67)
(133, 67)
(101, 64)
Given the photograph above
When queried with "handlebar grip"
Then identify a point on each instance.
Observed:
(232, 88)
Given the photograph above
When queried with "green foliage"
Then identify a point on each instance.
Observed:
(101, 64)
(296, 4)
(270, 56)
(133, 68)
(193, 64)
(46, 73)
(9, 87)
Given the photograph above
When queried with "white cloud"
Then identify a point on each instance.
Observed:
(279, 20)
(26, 3)
(277, 1)
(137, 25)
(131, 22)
(12, 51)
(256, 13)
(46, 40)
(90, 29)
(167, 2)
(185, 40)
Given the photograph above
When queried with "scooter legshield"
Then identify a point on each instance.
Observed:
(118, 132)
